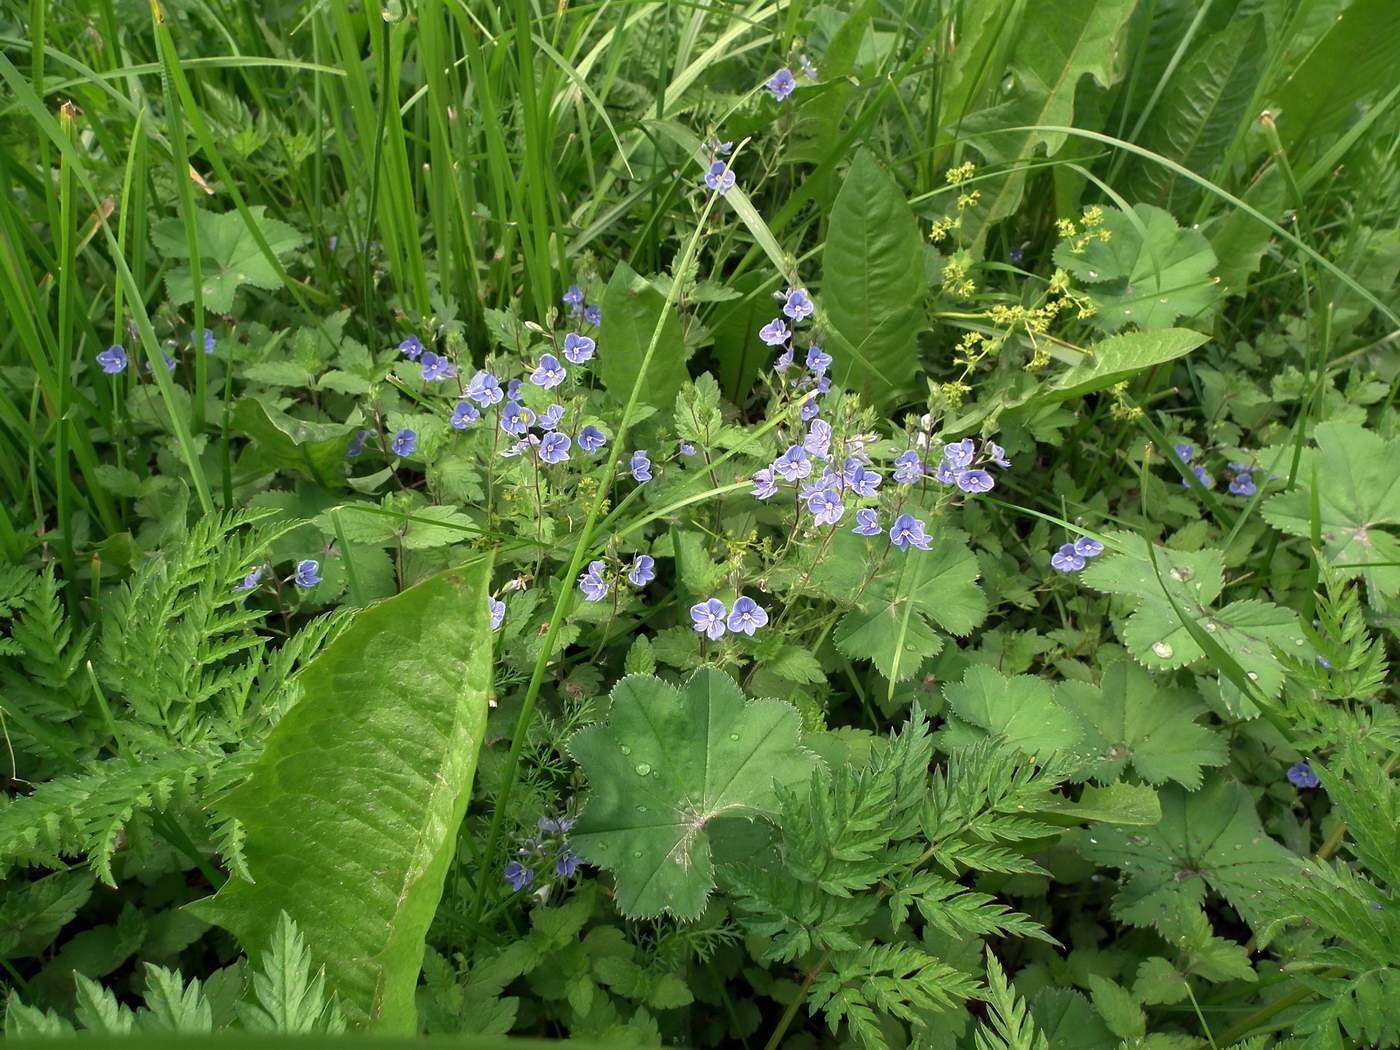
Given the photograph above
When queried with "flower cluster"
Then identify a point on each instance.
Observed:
(711, 618)
(962, 465)
(598, 580)
(549, 845)
(719, 177)
(1072, 556)
(114, 359)
(1241, 475)
(304, 576)
(591, 313)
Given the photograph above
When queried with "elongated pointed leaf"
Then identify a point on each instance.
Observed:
(352, 810)
(632, 308)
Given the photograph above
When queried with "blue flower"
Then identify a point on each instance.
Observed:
(1185, 452)
(960, 453)
(996, 454)
(437, 368)
(720, 177)
(405, 442)
(974, 481)
(357, 444)
(306, 573)
(498, 613)
(748, 616)
(591, 439)
(208, 341)
(641, 465)
(643, 570)
(1084, 547)
(715, 148)
(784, 361)
(169, 362)
(464, 415)
(578, 348)
(687, 449)
(809, 409)
(817, 361)
(513, 390)
(1325, 662)
(763, 484)
(1300, 774)
(567, 862)
(907, 530)
(551, 416)
(860, 479)
(817, 443)
(485, 389)
(908, 468)
(782, 84)
(1067, 558)
(573, 297)
(1204, 478)
(797, 306)
(867, 523)
(113, 359)
(518, 875)
(1242, 484)
(827, 482)
(792, 464)
(592, 583)
(709, 618)
(251, 580)
(945, 473)
(775, 332)
(593, 315)
(516, 419)
(807, 67)
(549, 374)
(411, 347)
(827, 506)
(555, 447)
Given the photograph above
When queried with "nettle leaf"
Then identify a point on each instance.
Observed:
(1207, 840)
(1149, 273)
(669, 762)
(890, 634)
(228, 254)
(1129, 718)
(352, 810)
(1352, 476)
(1020, 710)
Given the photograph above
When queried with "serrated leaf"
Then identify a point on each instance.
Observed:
(1209, 839)
(668, 762)
(291, 996)
(1357, 488)
(1129, 718)
(1135, 804)
(1146, 276)
(1115, 1005)
(873, 282)
(229, 256)
(1020, 710)
(1119, 357)
(891, 635)
(942, 582)
(352, 811)
(633, 307)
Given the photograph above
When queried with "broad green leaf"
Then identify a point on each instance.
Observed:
(1059, 41)
(1146, 276)
(1196, 119)
(1209, 839)
(892, 635)
(670, 761)
(1116, 1006)
(1354, 477)
(633, 307)
(1129, 718)
(1193, 578)
(352, 810)
(229, 256)
(283, 442)
(1020, 710)
(942, 581)
(1135, 804)
(873, 284)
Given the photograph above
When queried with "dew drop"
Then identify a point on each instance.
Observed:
(1211, 628)
(626, 750)
(641, 809)
(1093, 273)
(1163, 650)
(643, 769)
(1254, 676)
(1126, 313)
(1161, 300)
(1182, 573)
(735, 736)
(636, 853)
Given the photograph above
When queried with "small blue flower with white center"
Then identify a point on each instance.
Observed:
(485, 390)
(867, 523)
(782, 84)
(974, 481)
(591, 439)
(464, 415)
(797, 305)
(817, 443)
(578, 348)
(592, 583)
(516, 419)
(960, 453)
(784, 361)
(250, 581)
(807, 67)
(720, 177)
(1087, 548)
(549, 373)
(643, 570)
(945, 473)
(306, 573)
(550, 417)
(817, 360)
(860, 479)
(687, 449)
(357, 444)
(1185, 452)
(498, 613)
(793, 464)
(593, 315)
(1067, 559)
(573, 297)
(826, 506)
(641, 465)
(1202, 476)
(1301, 775)
(996, 454)
(747, 616)
(763, 483)
(1242, 484)
(113, 359)
(907, 468)
(436, 368)
(554, 448)
(708, 618)
(908, 531)
(775, 332)
(405, 442)
(518, 875)
(411, 348)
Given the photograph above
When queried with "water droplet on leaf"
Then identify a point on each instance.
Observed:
(643, 769)
(1163, 650)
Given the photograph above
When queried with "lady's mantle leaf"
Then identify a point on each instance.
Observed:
(1020, 710)
(670, 761)
(352, 810)
(229, 255)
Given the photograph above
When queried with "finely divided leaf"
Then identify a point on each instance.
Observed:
(352, 811)
(668, 762)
